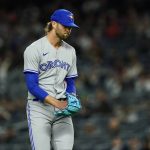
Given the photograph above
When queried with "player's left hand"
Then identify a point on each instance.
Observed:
(73, 106)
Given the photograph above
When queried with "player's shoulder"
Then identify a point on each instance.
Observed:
(34, 46)
(68, 47)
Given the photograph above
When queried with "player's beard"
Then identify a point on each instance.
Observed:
(62, 36)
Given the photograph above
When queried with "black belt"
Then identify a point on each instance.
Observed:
(35, 99)
(63, 99)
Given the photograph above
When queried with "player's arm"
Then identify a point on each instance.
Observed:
(71, 88)
(33, 87)
(72, 75)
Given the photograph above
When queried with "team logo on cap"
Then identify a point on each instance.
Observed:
(71, 16)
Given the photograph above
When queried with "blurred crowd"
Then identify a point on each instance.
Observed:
(113, 53)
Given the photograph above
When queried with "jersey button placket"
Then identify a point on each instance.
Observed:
(56, 55)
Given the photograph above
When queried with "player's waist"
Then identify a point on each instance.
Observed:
(38, 100)
(59, 95)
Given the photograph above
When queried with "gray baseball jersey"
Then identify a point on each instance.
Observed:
(53, 66)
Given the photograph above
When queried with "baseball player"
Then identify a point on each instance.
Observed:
(50, 72)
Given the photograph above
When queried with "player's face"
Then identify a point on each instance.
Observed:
(62, 32)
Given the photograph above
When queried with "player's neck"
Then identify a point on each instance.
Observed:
(54, 40)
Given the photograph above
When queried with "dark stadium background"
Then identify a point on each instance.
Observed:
(113, 49)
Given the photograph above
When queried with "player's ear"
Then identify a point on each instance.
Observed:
(54, 24)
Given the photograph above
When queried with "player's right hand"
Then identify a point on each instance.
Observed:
(61, 104)
(56, 103)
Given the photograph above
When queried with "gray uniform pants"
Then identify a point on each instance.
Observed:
(46, 130)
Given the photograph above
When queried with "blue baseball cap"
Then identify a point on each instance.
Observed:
(64, 17)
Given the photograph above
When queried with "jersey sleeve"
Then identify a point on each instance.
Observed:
(71, 88)
(31, 60)
(73, 69)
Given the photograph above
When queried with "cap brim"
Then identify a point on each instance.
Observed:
(73, 25)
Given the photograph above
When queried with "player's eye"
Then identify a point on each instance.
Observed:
(66, 27)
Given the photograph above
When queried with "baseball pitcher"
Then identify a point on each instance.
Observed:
(50, 71)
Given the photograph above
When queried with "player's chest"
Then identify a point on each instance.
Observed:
(52, 55)
(51, 60)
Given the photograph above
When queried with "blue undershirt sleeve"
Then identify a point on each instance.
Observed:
(32, 83)
(71, 88)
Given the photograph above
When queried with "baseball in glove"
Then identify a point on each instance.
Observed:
(73, 106)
